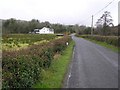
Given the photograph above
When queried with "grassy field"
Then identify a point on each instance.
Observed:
(53, 77)
(18, 41)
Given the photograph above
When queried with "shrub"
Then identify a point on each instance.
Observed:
(112, 40)
(23, 68)
(47, 58)
(21, 71)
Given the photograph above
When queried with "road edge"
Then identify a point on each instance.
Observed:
(68, 71)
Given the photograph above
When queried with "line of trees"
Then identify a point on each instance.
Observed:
(19, 26)
(104, 26)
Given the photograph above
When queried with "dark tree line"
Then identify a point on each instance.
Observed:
(104, 26)
(19, 26)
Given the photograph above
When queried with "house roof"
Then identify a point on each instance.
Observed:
(47, 28)
(44, 28)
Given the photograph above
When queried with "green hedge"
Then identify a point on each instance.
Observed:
(112, 40)
(23, 68)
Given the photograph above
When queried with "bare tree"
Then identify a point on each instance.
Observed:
(104, 22)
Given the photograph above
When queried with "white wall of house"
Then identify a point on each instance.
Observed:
(45, 30)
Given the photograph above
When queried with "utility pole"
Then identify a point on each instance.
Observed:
(92, 26)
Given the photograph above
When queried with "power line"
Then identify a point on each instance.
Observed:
(104, 7)
(98, 11)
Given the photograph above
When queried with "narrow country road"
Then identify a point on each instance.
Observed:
(92, 66)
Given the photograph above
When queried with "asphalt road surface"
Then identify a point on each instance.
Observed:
(92, 66)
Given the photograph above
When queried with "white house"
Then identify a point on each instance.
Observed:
(44, 30)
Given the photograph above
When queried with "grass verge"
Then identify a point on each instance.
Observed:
(113, 48)
(53, 76)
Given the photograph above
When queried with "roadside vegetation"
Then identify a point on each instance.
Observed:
(53, 76)
(110, 42)
(22, 68)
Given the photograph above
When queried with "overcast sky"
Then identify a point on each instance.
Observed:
(58, 11)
